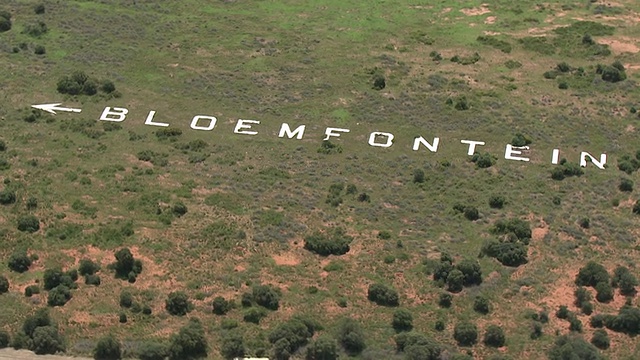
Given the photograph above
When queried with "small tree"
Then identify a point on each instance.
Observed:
(604, 292)
(445, 300)
(481, 304)
(28, 223)
(351, 336)
(601, 339)
(4, 284)
(496, 201)
(232, 345)
(324, 348)
(107, 348)
(189, 343)
(47, 340)
(178, 303)
(5, 339)
(418, 176)
(626, 185)
(465, 333)
(126, 299)
(254, 314)
(494, 336)
(267, 296)
(59, 296)
(592, 274)
(573, 347)
(383, 295)
(455, 281)
(152, 351)
(19, 262)
(7, 197)
(220, 305)
(402, 320)
(88, 267)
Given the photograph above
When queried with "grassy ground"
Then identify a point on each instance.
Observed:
(252, 199)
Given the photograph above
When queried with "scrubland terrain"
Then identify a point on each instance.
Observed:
(231, 244)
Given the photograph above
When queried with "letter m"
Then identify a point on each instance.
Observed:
(286, 130)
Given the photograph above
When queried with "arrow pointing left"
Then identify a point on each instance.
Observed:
(52, 108)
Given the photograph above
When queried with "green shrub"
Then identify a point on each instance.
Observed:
(267, 296)
(383, 295)
(351, 336)
(600, 339)
(445, 300)
(88, 267)
(481, 305)
(178, 303)
(626, 185)
(336, 242)
(28, 223)
(507, 253)
(254, 314)
(189, 343)
(59, 296)
(324, 348)
(39, 50)
(92, 279)
(604, 292)
(493, 41)
(107, 348)
(455, 280)
(221, 306)
(36, 29)
(465, 333)
(402, 320)
(483, 161)
(19, 261)
(152, 351)
(494, 336)
(31, 290)
(418, 176)
(5, 24)
(573, 347)
(563, 312)
(591, 275)
(7, 197)
(5, 339)
(4, 284)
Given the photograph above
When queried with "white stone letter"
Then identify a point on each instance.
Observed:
(150, 121)
(117, 114)
(372, 139)
(600, 164)
(555, 155)
(242, 125)
(212, 122)
(472, 145)
(515, 150)
(420, 140)
(286, 130)
(332, 132)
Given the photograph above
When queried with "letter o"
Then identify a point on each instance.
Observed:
(372, 139)
(212, 122)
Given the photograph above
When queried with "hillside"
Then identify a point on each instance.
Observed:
(440, 161)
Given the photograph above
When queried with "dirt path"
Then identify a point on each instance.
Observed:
(10, 354)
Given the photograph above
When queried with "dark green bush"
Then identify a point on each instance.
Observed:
(604, 292)
(626, 185)
(267, 296)
(402, 320)
(19, 261)
(39, 50)
(5, 23)
(31, 290)
(494, 336)
(152, 351)
(568, 347)
(59, 296)
(88, 267)
(178, 303)
(465, 333)
(5, 339)
(496, 201)
(445, 300)
(36, 29)
(351, 336)
(455, 280)
(4, 284)
(481, 304)
(7, 197)
(107, 348)
(563, 312)
(220, 305)
(254, 314)
(189, 343)
(92, 280)
(383, 295)
(28, 223)
(592, 274)
(507, 253)
(335, 242)
(324, 348)
(600, 339)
